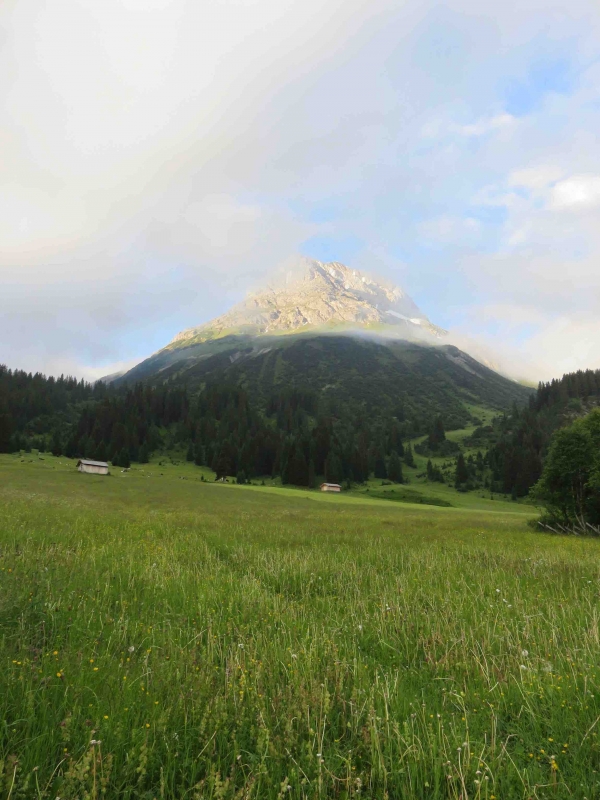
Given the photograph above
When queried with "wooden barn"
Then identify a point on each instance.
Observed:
(93, 467)
(331, 487)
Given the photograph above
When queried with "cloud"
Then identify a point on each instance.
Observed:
(485, 126)
(577, 191)
(158, 157)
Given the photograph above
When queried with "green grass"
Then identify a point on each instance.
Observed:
(161, 637)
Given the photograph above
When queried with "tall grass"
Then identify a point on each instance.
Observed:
(239, 644)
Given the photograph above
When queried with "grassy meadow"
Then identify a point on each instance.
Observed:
(163, 637)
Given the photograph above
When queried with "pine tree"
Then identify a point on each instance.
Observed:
(380, 470)
(297, 468)
(6, 429)
(56, 446)
(312, 481)
(461, 476)
(394, 471)
(437, 434)
(409, 458)
(199, 456)
(333, 468)
(143, 455)
(190, 452)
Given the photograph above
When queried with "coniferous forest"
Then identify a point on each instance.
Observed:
(297, 435)
(294, 436)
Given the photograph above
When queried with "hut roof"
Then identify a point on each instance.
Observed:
(92, 463)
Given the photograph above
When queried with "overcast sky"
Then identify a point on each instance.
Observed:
(158, 156)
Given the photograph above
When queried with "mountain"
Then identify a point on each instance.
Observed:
(347, 337)
(314, 296)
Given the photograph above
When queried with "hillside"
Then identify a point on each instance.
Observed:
(349, 337)
(518, 442)
(411, 381)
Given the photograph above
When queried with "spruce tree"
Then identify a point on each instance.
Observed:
(190, 452)
(380, 470)
(6, 429)
(333, 468)
(461, 476)
(297, 468)
(56, 446)
(394, 471)
(437, 435)
(409, 458)
(199, 456)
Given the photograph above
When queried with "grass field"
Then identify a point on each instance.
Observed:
(161, 637)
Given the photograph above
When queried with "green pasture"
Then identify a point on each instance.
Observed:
(165, 637)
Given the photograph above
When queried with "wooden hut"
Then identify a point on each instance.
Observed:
(331, 487)
(92, 467)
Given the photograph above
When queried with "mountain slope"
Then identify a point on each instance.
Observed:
(386, 378)
(350, 339)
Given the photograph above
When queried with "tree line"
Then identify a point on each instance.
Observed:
(518, 442)
(296, 434)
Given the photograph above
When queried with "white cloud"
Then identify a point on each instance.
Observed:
(484, 126)
(577, 191)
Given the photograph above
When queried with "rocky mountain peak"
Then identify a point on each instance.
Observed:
(311, 294)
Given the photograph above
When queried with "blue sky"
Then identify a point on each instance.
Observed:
(163, 156)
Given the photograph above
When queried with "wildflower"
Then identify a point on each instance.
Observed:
(524, 653)
(106, 716)
(130, 649)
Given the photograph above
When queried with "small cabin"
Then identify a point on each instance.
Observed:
(331, 487)
(93, 467)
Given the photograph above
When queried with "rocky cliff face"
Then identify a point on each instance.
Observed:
(313, 295)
